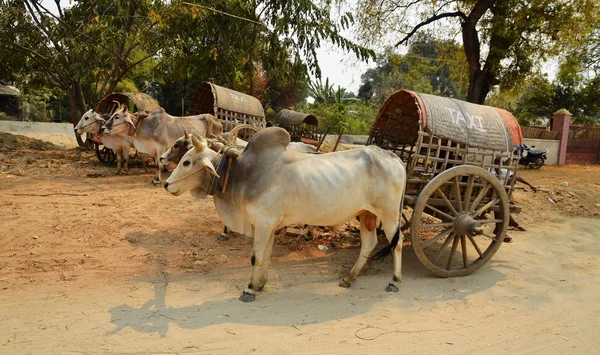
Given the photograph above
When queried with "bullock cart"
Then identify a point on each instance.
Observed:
(231, 108)
(136, 101)
(461, 164)
(301, 126)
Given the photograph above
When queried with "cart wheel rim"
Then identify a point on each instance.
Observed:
(104, 155)
(249, 132)
(464, 239)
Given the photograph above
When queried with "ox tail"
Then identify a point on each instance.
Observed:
(380, 255)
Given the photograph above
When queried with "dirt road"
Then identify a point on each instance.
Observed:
(92, 263)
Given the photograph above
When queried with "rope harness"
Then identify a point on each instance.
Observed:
(89, 124)
(220, 168)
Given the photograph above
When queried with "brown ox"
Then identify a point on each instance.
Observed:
(154, 134)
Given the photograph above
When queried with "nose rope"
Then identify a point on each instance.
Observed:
(89, 124)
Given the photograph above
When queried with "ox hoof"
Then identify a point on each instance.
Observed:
(260, 288)
(391, 288)
(223, 237)
(344, 284)
(156, 182)
(247, 297)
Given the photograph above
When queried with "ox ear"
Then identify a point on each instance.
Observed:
(208, 164)
(199, 144)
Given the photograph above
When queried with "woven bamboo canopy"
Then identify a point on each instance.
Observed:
(141, 101)
(405, 113)
(229, 106)
(287, 118)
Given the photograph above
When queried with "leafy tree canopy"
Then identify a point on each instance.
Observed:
(503, 40)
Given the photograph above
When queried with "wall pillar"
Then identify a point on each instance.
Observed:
(561, 121)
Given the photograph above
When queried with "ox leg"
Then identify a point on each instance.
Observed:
(119, 161)
(392, 231)
(368, 241)
(157, 177)
(262, 236)
(126, 160)
(264, 272)
(225, 235)
(143, 159)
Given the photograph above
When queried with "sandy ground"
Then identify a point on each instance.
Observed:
(92, 263)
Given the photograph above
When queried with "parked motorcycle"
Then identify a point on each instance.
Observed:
(532, 158)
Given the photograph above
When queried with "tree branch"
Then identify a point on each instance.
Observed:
(41, 60)
(430, 20)
(60, 12)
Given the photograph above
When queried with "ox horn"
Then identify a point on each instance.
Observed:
(199, 144)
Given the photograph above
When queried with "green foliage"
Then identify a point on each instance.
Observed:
(504, 40)
(325, 92)
(353, 115)
(430, 66)
(540, 98)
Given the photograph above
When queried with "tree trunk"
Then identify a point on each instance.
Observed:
(80, 97)
(479, 86)
(72, 107)
(77, 107)
(479, 80)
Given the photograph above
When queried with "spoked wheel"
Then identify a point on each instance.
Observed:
(105, 155)
(85, 141)
(460, 237)
(538, 163)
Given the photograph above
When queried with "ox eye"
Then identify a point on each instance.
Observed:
(186, 163)
(86, 118)
(116, 118)
(176, 146)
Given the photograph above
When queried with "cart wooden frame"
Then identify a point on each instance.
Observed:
(461, 161)
(230, 107)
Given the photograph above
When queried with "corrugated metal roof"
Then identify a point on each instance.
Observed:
(478, 126)
(287, 118)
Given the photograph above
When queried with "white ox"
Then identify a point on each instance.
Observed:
(91, 122)
(154, 133)
(270, 187)
(175, 152)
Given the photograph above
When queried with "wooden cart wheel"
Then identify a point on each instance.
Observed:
(461, 238)
(105, 155)
(86, 141)
(244, 131)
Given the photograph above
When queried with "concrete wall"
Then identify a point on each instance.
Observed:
(40, 127)
(550, 145)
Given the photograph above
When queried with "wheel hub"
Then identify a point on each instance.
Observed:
(464, 224)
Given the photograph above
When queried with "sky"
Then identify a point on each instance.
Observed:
(341, 68)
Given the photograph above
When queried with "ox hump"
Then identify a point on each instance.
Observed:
(269, 139)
